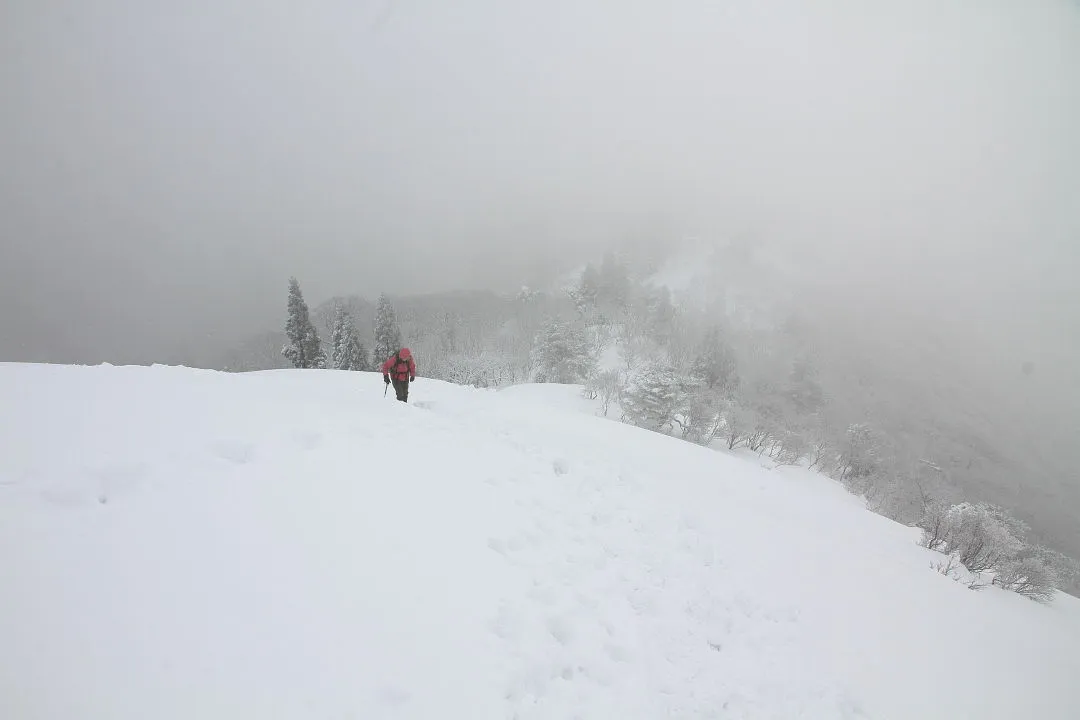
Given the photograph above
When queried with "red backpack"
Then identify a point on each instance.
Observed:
(399, 367)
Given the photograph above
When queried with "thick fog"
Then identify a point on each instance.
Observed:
(166, 166)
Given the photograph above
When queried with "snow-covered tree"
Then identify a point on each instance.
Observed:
(986, 538)
(714, 364)
(1066, 569)
(387, 332)
(760, 412)
(789, 444)
(562, 355)
(1028, 574)
(587, 292)
(632, 348)
(653, 397)
(819, 440)
(661, 317)
(859, 452)
(983, 536)
(632, 335)
(605, 386)
(303, 349)
(486, 369)
(348, 351)
(702, 419)
(738, 424)
(935, 526)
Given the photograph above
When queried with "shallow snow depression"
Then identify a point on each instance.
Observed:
(178, 543)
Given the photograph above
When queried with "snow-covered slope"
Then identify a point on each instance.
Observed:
(178, 543)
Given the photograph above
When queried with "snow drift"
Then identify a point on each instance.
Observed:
(289, 544)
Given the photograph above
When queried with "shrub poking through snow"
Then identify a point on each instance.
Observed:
(984, 538)
(1029, 576)
(935, 526)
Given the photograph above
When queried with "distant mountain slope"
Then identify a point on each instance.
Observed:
(954, 390)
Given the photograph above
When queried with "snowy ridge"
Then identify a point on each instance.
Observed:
(290, 544)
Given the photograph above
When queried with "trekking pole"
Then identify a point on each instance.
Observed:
(386, 386)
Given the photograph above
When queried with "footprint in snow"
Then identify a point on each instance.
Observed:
(560, 629)
(63, 496)
(394, 695)
(617, 653)
(308, 440)
(97, 484)
(116, 480)
(508, 624)
(542, 595)
(234, 451)
(642, 601)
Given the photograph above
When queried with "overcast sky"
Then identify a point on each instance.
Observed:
(165, 166)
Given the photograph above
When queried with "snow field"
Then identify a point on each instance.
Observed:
(181, 543)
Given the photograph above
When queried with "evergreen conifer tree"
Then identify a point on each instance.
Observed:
(562, 355)
(714, 364)
(303, 348)
(387, 332)
(348, 352)
(653, 397)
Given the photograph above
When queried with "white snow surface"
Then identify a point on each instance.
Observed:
(177, 543)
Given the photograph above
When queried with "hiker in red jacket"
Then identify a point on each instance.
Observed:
(402, 368)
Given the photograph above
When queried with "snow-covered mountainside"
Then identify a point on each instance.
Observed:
(291, 544)
(919, 376)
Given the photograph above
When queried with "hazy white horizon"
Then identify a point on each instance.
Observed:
(167, 167)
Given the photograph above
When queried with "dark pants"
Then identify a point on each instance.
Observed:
(401, 387)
